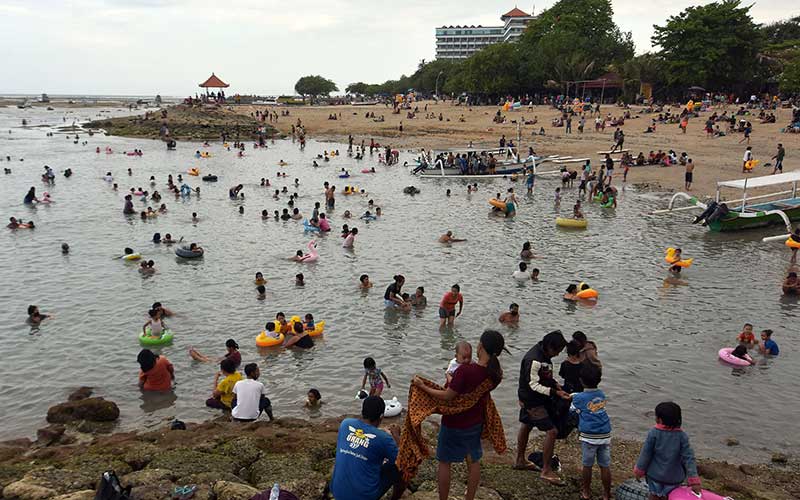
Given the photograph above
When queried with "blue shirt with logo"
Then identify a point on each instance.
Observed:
(361, 449)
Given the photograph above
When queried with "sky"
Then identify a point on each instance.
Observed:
(167, 47)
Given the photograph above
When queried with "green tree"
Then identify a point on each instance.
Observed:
(790, 78)
(714, 46)
(314, 86)
(358, 88)
(572, 40)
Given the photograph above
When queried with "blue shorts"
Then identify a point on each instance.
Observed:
(444, 313)
(600, 452)
(456, 444)
(389, 303)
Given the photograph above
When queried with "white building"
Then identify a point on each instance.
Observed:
(460, 42)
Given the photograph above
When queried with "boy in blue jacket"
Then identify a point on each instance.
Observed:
(595, 430)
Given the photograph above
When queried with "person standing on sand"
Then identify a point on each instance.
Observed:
(687, 177)
(747, 158)
(779, 159)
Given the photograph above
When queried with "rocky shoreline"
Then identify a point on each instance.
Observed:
(185, 123)
(234, 461)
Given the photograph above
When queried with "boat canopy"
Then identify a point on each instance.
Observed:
(767, 180)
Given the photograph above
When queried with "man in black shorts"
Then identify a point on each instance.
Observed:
(537, 388)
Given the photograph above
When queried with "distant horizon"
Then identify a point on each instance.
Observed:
(83, 47)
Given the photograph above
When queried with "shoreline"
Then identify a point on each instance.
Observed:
(716, 159)
(232, 461)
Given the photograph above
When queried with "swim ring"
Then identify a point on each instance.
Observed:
(210, 178)
(498, 204)
(188, 254)
(308, 227)
(312, 254)
(670, 259)
(264, 340)
(319, 326)
(193, 171)
(791, 243)
(574, 223)
(146, 338)
(597, 197)
(589, 293)
(132, 256)
(367, 171)
(726, 356)
(348, 190)
(609, 203)
(393, 407)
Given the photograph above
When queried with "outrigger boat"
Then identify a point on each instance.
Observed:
(508, 164)
(748, 215)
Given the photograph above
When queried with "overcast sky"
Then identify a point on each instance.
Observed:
(144, 47)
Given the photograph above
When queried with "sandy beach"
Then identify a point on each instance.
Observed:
(716, 159)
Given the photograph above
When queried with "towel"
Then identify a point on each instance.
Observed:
(413, 449)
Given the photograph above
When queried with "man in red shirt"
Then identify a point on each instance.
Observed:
(447, 307)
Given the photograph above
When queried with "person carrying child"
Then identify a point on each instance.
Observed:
(463, 357)
(375, 376)
(667, 458)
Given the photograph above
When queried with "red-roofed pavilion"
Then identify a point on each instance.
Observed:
(515, 12)
(213, 82)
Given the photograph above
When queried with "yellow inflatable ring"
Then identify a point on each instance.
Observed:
(589, 293)
(670, 259)
(792, 243)
(264, 340)
(132, 256)
(193, 171)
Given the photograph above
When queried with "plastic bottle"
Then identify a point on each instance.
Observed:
(275, 492)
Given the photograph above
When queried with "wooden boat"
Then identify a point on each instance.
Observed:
(743, 214)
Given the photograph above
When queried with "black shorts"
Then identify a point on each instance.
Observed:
(688, 176)
(537, 416)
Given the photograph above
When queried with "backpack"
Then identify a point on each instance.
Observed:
(109, 488)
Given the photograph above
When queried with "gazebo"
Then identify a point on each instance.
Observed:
(213, 82)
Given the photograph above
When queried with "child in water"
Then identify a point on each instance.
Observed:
(667, 458)
(747, 338)
(313, 399)
(364, 282)
(299, 279)
(376, 378)
(270, 329)
(155, 323)
(308, 324)
(463, 357)
(557, 201)
(260, 279)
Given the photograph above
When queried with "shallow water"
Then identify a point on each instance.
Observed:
(657, 341)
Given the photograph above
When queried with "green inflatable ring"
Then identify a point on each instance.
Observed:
(146, 340)
(609, 204)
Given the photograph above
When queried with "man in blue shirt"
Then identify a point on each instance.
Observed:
(365, 456)
(768, 346)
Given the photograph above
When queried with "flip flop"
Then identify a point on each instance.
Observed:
(529, 466)
(554, 480)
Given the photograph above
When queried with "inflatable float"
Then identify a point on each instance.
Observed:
(791, 243)
(312, 254)
(185, 253)
(726, 356)
(367, 171)
(670, 258)
(132, 256)
(686, 493)
(498, 204)
(264, 340)
(573, 223)
(193, 171)
(393, 407)
(589, 293)
(308, 227)
(147, 339)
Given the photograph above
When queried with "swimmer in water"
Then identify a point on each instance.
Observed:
(155, 323)
(350, 240)
(260, 279)
(261, 292)
(347, 214)
(313, 399)
(194, 217)
(167, 240)
(576, 210)
(419, 299)
(535, 274)
(299, 280)
(510, 317)
(571, 293)
(298, 257)
(448, 238)
(364, 282)
(65, 248)
(527, 253)
(35, 317)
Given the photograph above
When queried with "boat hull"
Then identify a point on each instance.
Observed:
(756, 217)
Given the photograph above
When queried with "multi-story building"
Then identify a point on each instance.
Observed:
(460, 42)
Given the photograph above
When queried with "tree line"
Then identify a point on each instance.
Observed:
(716, 46)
